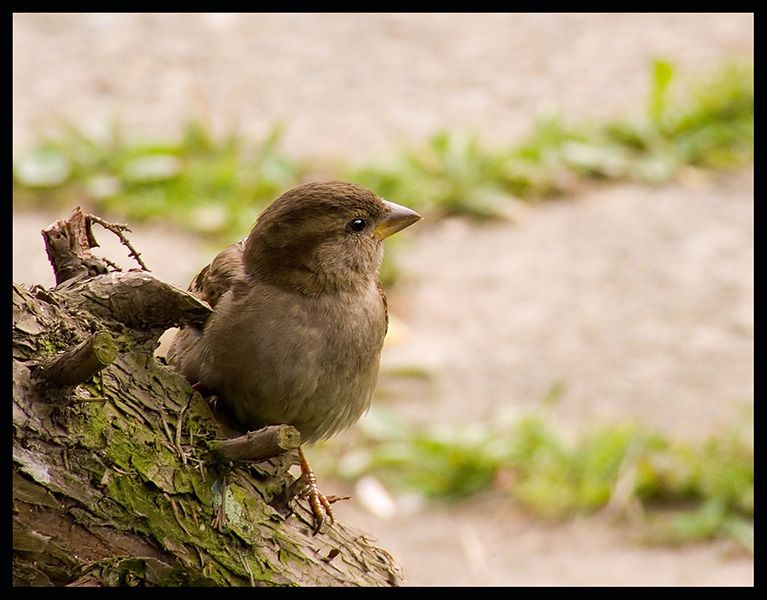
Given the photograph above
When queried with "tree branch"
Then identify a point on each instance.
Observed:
(122, 491)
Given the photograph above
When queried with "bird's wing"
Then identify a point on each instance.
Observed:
(209, 285)
(215, 279)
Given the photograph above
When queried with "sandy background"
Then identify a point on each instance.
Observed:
(349, 85)
(637, 300)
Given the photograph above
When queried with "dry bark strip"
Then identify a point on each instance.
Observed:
(123, 490)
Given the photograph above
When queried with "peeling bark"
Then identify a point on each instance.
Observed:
(115, 480)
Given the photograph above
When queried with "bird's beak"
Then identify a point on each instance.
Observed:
(395, 219)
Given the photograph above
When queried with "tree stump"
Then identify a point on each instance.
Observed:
(120, 467)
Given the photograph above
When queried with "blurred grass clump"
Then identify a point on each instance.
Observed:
(707, 123)
(217, 186)
(683, 491)
(200, 183)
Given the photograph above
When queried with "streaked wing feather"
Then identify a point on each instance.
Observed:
(214, 280)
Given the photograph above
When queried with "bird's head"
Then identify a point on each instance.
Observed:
(323, 235)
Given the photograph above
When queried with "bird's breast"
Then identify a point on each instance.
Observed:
(276, 357)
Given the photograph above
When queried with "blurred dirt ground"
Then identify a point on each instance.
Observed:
(638, 301)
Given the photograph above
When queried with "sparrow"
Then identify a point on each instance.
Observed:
(299, 316)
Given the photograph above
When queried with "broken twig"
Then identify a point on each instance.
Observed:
(82, 362)
(259, 445)
(118, 229)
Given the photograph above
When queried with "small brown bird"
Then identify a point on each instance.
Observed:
(299, 316)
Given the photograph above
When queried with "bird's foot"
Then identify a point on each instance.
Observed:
(319, 504)
(219, 521)
(210, 398)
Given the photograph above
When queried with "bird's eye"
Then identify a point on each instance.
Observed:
(357, 224)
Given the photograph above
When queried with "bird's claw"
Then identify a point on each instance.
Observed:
(320, 506)
(211, 399)
(318, 502)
